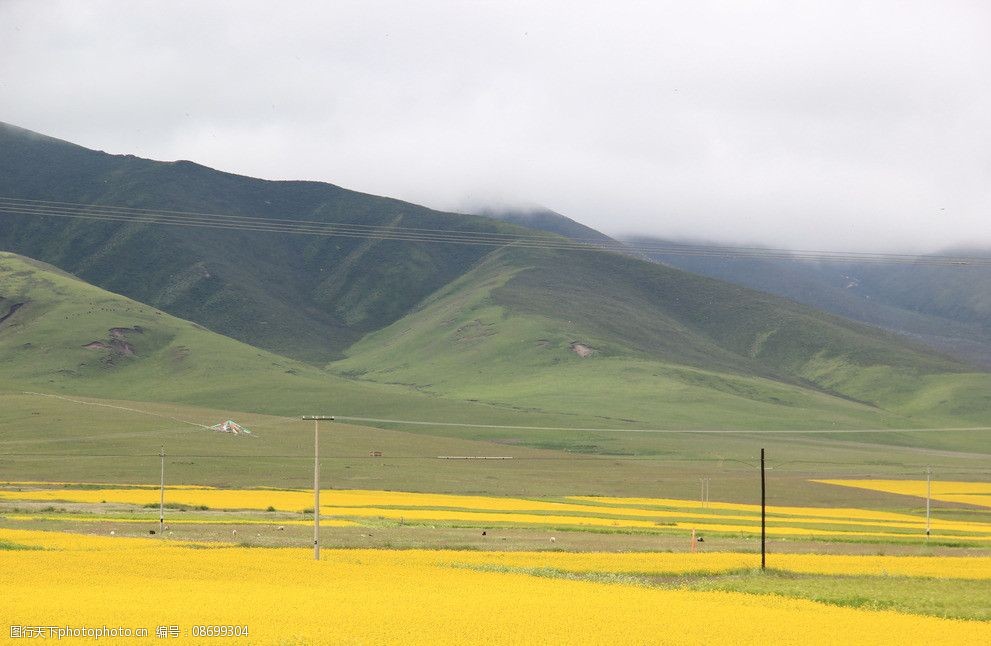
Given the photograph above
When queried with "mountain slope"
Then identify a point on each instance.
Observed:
(303, 296)
(139, 353)
(546, 220)
(946, 308)
(664, 346)
(459, 322)
(59, 334)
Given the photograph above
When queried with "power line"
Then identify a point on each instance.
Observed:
(655, 430)
(835, 468)
(156, 213)
(532, 240)
(572, 429)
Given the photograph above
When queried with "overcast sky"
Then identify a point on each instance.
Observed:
(818, 125)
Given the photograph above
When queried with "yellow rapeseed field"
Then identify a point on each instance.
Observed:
(79, 518)
(832, 513)
(657, 514)
(970, 493)
(192, 496)
(814, 532)
(409, 597)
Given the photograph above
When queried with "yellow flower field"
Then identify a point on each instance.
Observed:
(809, 532)
(79, 518)
(642, 514)
(409, 597)
(772, 510)
(970, 493)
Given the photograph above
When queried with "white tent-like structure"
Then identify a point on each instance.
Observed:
(230, 426)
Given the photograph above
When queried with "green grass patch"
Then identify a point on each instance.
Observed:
(945, 598)
(10, 546)
(951, 599)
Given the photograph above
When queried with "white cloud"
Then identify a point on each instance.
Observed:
(806, 124)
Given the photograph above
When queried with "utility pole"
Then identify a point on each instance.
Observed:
(929, 472)
(704, 494)
(316, 480)
(161, 498)
(763, 515)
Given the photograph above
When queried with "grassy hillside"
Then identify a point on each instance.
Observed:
(173, 377)
(465, 344)
(449, 332)
(666, 347)
(307, 297)
(947, 308)
(62, 335)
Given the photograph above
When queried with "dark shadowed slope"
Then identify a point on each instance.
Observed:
(304, 296)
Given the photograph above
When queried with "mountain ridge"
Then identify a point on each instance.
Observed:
(177, 264)
(947, 308)
(344, 303)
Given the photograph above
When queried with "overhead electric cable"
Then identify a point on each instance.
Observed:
(402, 422)
(386, 232)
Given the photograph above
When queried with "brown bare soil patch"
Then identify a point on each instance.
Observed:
(581, 349)
(117, 344)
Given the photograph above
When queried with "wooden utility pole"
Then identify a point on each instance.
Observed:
(316, 480)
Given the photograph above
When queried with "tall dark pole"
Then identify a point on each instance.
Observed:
(763, 515)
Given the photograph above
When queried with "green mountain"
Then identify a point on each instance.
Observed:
(60, 334)
(602, 332)
(160, 377)
(947, 308)
(308, 297)
(419, 329)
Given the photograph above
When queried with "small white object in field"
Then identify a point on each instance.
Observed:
(112, 532)
(281, 528)
(553, 540)
(233, 532)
